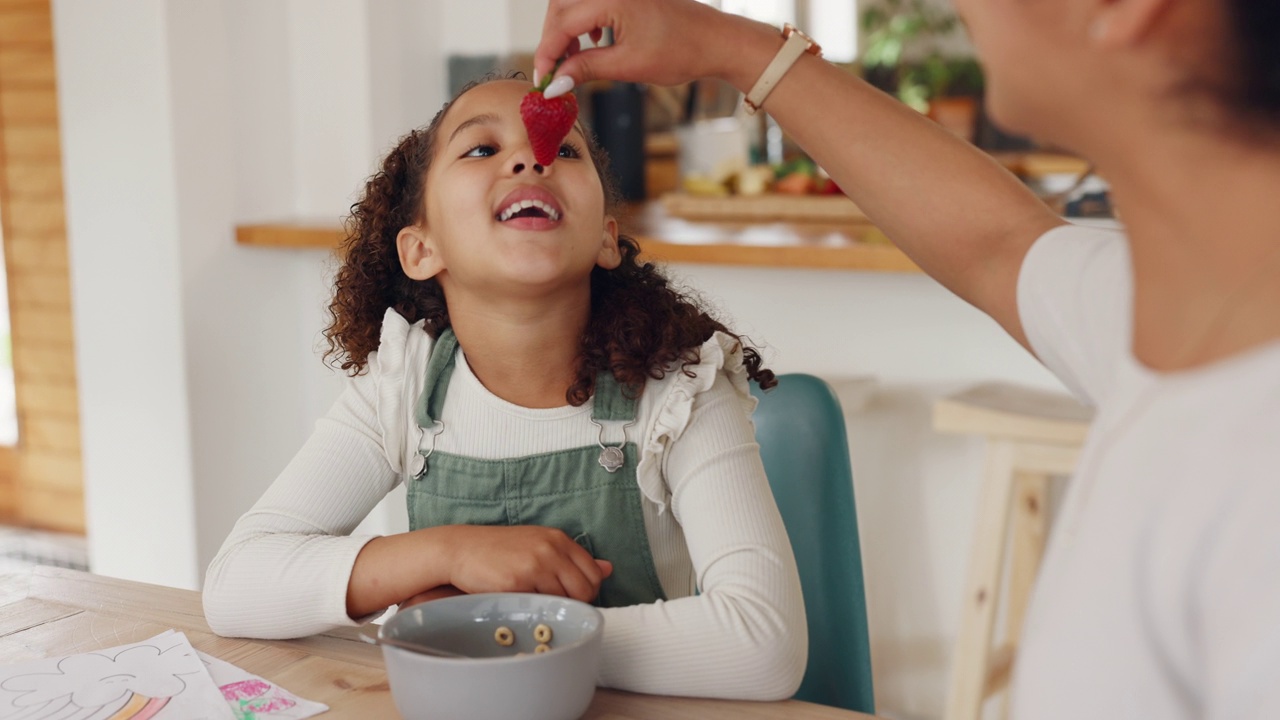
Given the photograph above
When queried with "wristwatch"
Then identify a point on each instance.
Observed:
(797, 44)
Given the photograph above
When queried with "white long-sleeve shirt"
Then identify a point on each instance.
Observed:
(1159, 596)
(710, 518)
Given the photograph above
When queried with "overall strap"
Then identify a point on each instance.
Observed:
(439, 370)
(611, 402)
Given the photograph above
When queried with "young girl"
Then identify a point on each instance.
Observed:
(565, 421)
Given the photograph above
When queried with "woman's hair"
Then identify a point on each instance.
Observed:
(640, 326)
(1256, 24)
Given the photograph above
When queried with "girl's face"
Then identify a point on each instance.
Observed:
(496, 222)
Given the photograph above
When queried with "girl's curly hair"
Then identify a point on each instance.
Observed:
(640, 327)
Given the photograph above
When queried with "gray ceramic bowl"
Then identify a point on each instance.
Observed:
(493, 682)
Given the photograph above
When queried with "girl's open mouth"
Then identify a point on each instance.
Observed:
(529, 208)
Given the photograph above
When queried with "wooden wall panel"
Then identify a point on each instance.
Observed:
(35, 253)
(41, 479)
(8, 490)
(32, 142)
(49, 432)
(27, 64)
(37, 181)
(26, 22)
(38, 288)
(52, 508)
(41, 364)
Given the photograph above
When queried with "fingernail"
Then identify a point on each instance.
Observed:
(535, 77)
(559, 86)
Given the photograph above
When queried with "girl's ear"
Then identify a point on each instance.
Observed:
(610, 256)
(419, 257)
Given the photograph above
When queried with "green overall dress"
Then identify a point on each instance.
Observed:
(589, 492)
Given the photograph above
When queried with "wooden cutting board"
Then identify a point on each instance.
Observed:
(769, 207)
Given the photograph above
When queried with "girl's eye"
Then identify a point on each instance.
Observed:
(481, 151)
(569, 150)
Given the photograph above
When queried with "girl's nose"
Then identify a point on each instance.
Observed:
(522, 159)
(519, 167)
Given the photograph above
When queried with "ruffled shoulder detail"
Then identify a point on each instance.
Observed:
(401, 348)
(722, 353)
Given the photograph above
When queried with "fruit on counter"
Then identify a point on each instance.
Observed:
(704, 186)
(800, 176)
(754, 180)
(824, 185)
(796, 183)
(548, 122)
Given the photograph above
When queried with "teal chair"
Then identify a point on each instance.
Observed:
(800, 428)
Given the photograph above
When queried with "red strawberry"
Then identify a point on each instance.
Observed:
(548, 122)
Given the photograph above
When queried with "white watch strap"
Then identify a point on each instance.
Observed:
(792, 49)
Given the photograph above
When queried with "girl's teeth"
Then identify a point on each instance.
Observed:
(518, 206)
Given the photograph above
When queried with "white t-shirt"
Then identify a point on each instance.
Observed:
(1159, 596)
(710, 519)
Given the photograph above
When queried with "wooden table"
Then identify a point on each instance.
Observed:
(51, 611)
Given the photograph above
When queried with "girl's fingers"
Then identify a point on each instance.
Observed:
(587, 566)
(443, 591)
(577, 585)
(549, 584)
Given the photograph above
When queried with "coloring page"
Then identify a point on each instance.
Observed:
(253, 698)
(162, 679)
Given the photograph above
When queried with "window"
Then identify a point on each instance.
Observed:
(832, 24)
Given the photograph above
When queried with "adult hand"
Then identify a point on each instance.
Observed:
(665, 42)
(523, 558)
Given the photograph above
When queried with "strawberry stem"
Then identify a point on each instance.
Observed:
(546, 80)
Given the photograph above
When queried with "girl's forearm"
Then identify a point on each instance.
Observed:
(393, 568)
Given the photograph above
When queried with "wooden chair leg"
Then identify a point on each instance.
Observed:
(1030, 525)
(1030, 522)
(977, 621)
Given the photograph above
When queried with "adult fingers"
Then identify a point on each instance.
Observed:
(564, 22)
(613, 62)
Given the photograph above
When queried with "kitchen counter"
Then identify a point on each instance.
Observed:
(849, 246)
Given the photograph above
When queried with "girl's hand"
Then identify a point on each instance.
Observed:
(666, 42)
(443, 591)
(523, 558)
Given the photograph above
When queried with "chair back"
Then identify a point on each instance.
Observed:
(801, 431)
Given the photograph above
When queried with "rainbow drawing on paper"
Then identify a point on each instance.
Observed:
(158, 678)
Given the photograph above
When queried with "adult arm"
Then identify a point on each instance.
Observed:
(956, 212)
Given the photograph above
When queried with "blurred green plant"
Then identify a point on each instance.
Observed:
(898, 33)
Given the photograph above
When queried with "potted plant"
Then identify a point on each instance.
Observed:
(902, 55)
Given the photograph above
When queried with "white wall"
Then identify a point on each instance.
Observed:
(199, 374)
(126, 272)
